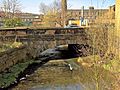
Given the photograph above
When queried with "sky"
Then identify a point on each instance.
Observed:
(32, 6)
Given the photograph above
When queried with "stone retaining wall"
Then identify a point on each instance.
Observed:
(11, 57)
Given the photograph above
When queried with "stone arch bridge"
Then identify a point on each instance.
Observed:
(40, 39)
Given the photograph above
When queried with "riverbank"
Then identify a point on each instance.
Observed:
(89, 72)
(56, 74)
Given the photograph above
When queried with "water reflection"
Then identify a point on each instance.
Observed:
(67, 87)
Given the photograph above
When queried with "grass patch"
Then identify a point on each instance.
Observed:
(112, 65)
(10, 76)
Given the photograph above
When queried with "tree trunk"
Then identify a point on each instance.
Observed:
(117, 29)
(64, 11)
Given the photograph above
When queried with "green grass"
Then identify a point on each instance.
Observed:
(112, 65)
(9, 77)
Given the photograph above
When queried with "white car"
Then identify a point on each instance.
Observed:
(72, 26)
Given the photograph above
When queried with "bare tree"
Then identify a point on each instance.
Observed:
(11, 10)
(54, 7)
(52, 13)
(43, 8)
(10, 7)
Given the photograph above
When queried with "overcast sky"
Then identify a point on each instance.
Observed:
(32, 6)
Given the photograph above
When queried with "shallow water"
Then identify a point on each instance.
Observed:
(67, 87)
(57, 76)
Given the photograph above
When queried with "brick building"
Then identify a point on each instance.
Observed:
(30, 19)
(92, 14)
(27, 18)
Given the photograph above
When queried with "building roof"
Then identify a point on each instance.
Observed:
(86, 10)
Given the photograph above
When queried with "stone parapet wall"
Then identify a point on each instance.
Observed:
(12, 56)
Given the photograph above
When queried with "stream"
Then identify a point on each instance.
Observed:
(56, 75)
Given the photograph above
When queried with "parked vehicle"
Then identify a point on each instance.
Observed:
(72, 26)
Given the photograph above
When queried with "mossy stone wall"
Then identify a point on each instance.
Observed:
(11, 57)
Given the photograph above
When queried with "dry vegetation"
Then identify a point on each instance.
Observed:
(104, 40)
(9, 45)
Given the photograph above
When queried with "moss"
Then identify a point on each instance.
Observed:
(108, 64)
(9, 77)
(112, 65)
(7, 46)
